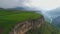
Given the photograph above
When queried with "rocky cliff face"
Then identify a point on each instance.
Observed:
(23, 27)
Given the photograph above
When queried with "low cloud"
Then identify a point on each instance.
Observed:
(43, 4)
(11, 3)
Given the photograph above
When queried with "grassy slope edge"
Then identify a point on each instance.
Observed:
(9, 18)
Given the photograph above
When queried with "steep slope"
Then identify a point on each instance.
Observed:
(24, 27)
(46, 28)
(56, 21)
(8, 19)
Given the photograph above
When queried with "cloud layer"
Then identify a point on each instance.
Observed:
(44, 4)
(11, 3)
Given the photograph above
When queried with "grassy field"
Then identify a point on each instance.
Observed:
(9, 18)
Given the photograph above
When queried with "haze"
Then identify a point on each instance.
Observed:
(43, 4)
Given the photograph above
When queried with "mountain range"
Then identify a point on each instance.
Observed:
(53, 16)
(24, 8)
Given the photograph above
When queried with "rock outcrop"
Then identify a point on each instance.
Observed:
(23, 27)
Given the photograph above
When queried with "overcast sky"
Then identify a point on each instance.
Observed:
(44, 4)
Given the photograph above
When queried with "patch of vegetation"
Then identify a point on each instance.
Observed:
(10, 18)
(46, 28)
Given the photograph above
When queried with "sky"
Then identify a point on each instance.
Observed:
(43, 4)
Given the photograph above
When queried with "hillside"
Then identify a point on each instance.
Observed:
(10, 18)
(45, 28)
(56, 22)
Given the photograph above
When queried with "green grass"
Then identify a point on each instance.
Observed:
(10, 18)
(46, 28)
